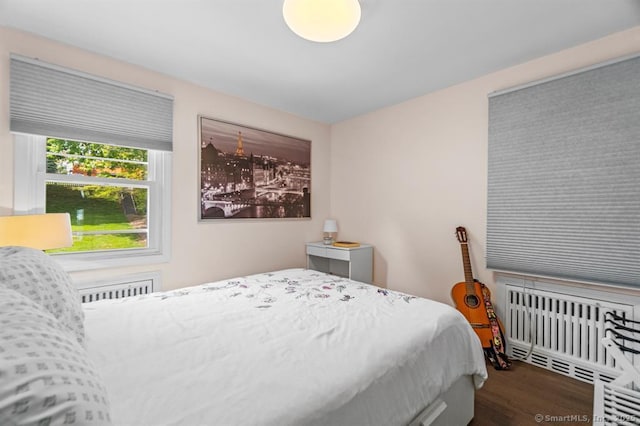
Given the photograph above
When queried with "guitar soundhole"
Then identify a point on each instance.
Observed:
(472, 301)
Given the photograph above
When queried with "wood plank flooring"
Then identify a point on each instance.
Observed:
(516, 396)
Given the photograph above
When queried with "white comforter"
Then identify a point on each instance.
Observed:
(284, 348)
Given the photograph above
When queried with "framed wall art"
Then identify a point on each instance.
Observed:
(247, 173)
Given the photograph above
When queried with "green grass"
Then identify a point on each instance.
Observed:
(102, 212)
(106, 242)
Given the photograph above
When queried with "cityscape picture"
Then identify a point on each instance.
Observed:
(251, 173)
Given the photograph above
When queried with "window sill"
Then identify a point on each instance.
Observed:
(75, 262)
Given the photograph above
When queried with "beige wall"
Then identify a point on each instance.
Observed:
(403, 178)
(200, 252)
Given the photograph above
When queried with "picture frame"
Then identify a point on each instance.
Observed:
(249, 173)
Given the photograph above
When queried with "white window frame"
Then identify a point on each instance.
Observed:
(30, 179)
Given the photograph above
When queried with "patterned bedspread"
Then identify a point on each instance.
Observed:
(283, 348)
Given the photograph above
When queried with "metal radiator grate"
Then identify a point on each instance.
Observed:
(620, 405)
(566, 331)
(119, 288)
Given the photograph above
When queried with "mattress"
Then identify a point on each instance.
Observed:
(288, 347)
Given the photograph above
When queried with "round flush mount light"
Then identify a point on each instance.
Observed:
(322, 20)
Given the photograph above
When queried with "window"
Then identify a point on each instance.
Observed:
(563, 194)
(116, 196)
(117, 186)
(108, 210)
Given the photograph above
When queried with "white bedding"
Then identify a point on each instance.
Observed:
(284, 348)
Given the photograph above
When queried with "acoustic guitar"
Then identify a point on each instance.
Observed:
(473, 300)
(467, 295)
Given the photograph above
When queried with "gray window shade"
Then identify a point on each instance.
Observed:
(564, 177)
(48, 100)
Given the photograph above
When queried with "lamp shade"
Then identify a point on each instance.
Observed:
(330, 225)
(322, 20)
(39, 231)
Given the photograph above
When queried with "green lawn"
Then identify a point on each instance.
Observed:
(93, 209)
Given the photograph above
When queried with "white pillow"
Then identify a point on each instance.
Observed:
(39, 277)
(46, 377)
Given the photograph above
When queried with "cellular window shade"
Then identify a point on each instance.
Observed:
(53, 101)
(564, 177)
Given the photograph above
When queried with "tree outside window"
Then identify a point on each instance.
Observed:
(105, 190)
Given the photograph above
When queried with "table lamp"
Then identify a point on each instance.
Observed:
(330, 230)
(38, 231)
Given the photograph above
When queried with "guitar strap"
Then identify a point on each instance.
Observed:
(495, 352)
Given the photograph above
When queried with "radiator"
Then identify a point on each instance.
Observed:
(615, 404)
(119, 287)
(618, 402)
(566, 330)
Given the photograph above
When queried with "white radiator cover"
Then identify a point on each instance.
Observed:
(119, 287)
(615, 404)
(567, 325)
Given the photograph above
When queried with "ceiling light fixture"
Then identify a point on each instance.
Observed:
(322, 20)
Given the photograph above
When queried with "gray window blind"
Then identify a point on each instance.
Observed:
(564, 177)
(53, 101)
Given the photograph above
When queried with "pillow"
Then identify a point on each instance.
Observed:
(45, 375)
(37, 276)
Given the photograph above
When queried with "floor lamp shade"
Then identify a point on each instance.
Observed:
(39, 231)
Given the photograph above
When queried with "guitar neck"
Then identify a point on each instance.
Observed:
(466, 261)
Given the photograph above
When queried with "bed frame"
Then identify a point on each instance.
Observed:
(453, 407)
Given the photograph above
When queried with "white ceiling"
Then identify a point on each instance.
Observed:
(402, 48)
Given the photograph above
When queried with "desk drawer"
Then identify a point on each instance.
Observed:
(317, 251)
(338, 254)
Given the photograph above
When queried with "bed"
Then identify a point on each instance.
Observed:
(291, 347)
(283, 348)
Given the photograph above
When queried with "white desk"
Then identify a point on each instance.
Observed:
(355, 263)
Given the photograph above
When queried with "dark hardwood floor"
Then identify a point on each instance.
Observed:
(530, 395)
